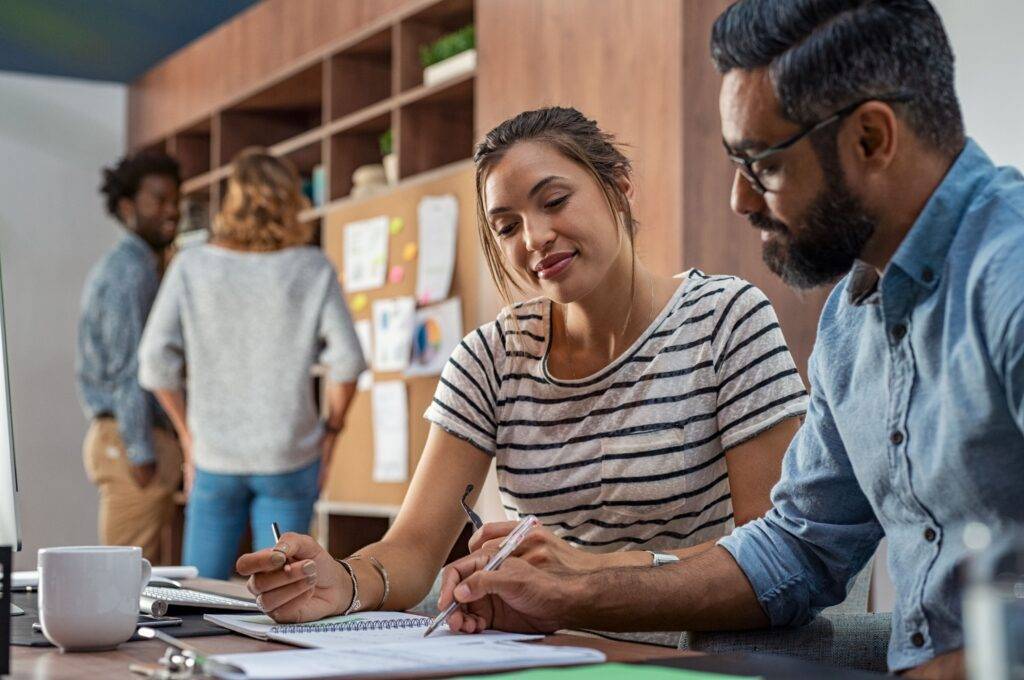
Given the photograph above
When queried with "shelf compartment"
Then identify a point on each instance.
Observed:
(357, 145)
(286, 109)
(423, 28)
(436, 126)
(191, 148)
(359, 76)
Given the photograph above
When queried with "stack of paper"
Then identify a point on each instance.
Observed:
(443, 656)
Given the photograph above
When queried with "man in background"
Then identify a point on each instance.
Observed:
(129, 451)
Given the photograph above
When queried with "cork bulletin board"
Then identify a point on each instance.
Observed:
(351, 475)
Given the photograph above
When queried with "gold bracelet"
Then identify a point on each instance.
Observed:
(383, 576)
(355, 604)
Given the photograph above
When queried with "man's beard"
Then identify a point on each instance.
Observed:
(832, 236)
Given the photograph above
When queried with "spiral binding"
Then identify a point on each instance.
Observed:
(349, 626)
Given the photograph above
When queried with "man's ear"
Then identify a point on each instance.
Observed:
(126, 211)
(873, 134)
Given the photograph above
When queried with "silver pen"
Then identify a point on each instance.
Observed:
(510, 543)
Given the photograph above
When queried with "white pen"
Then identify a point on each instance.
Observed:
(510, 543)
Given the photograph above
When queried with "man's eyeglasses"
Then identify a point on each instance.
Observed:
(760, 178)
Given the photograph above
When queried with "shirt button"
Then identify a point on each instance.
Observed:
(898, 331)
(896, 437)
(927, 275)
(929, 534)
(917, 639)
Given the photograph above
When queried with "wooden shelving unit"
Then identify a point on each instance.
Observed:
(331, 109)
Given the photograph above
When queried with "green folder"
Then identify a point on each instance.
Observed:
(612, 671)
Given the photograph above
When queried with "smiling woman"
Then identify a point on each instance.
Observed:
(638, 417)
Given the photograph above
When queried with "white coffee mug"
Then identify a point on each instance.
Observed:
(89, 595)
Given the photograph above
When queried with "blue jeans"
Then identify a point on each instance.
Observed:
(220, 505)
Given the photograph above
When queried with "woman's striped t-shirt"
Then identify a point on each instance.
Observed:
(634, 455)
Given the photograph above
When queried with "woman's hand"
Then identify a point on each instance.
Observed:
(326, 452)
(540, 548)
(296, 580)
(188, 464)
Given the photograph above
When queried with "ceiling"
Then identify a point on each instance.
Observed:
(114, 40)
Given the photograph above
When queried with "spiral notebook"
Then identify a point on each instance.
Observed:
(345, 632)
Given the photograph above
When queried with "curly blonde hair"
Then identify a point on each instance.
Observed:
(261, 209)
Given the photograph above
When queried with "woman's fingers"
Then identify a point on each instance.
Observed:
(292, 546)
(280, 597)
(490, 531)
(271, 580)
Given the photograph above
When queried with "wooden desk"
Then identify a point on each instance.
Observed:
(44, 663)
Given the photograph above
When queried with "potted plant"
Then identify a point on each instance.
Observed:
(449, 56)
(389, 157)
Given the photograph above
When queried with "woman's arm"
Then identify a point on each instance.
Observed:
(313, 585)
(173, 403)
(753, 467)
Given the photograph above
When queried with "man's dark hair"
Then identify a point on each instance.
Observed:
(123, 180)
(823, 55)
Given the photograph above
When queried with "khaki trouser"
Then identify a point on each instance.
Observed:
(130, 515)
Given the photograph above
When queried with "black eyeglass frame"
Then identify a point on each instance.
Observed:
(745, 164)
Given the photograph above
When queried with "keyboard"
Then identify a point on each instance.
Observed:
(185, 597)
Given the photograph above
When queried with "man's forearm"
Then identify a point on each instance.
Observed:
(705, 592)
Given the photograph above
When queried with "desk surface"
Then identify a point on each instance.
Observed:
(44, 663)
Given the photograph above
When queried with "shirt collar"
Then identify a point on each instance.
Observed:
(862, 288)
(136, 245)
(922, 253)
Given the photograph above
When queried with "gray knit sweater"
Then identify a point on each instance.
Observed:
(239, 332)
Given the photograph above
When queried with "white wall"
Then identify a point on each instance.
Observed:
(55, 134)
(990, 82)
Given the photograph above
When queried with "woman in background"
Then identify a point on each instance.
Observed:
(237, 325)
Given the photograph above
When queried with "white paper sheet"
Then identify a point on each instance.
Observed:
(438, 227)
(392, 333)
(364, 331)
(366, 254)
(450, 656)
(436, 333)
(390, 431)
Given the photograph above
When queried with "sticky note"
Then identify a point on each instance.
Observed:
(396, 274)
(359, 302)
(397, 225)
(410, 252)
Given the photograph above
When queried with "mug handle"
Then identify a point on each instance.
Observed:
(147, 572)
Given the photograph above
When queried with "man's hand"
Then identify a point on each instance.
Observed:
(540, 547)
(297, 580)
(143, 474)
(516, 597)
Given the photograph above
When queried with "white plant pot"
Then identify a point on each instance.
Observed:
(453, 66)
(391, 168)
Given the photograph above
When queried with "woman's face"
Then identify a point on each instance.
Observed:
(552, 222)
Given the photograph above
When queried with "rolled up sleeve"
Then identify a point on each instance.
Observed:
(820, 532)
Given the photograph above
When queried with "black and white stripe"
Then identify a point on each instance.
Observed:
(633, 456)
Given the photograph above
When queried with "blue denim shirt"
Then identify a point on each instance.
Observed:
(115, 303)
(916, 420)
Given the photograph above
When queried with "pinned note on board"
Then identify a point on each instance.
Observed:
(396, 274)
(366, 254)
(390, 413)
(437, 331)
(392, 333)
(438, 222)
(359, 302)
(409, 252)
(396, 225)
